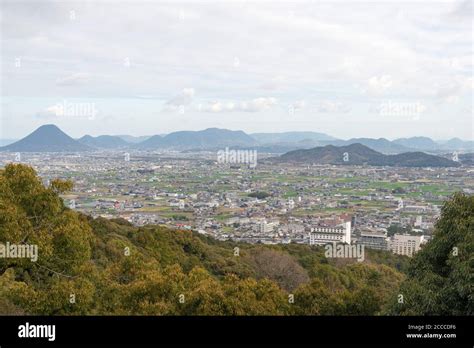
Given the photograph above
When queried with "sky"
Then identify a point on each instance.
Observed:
(345, 68)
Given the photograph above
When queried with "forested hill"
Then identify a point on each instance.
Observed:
(98, 266)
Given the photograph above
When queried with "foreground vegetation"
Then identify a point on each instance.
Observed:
(97, 266)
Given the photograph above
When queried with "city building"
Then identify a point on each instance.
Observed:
(373, 240)
(340, 233)
(408, 245)
(267, 227)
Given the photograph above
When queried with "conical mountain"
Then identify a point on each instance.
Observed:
(47, 138)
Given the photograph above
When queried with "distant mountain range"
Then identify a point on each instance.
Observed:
(51, 138)
(275, 142)
(384, 145)
(290, 137)
(358, 154)
(206, 139)
(417, 143)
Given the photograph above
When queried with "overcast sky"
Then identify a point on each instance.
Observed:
(346, 68)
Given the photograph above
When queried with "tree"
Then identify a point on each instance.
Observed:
(34, 215)
(259, 195)
(440, 276)
(277, 266)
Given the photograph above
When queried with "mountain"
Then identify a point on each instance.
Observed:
(466, 159)
(330, 154)
(311, 139)
(47, 138)
(381, 145)
(154, 142)
(305, 140)
(457, 144)
(210, 138)
(358, 154)
(290, 137)
(419, 159)
(104, 142)
(132, 139)
(418, 143)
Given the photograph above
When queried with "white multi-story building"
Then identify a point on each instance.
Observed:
(418, 221)
(327, 234)
(408, 245)
(267, 227)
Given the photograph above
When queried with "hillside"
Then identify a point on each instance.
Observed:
(104, 142)
(47, 138)
(115, 268)
(358, 154)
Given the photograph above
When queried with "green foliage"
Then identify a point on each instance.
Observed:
(398, 229)
(440, 276)
(110, 267)
(277, 266)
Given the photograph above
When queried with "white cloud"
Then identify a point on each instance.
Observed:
(180, 102)
(217, 106)
(379, 84)
(56, 110)
(184, 98)
(51, 112)
(452, 91)
(328, 106)
(257, 104)
(253, 105)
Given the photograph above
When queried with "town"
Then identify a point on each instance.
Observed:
(381, 208)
